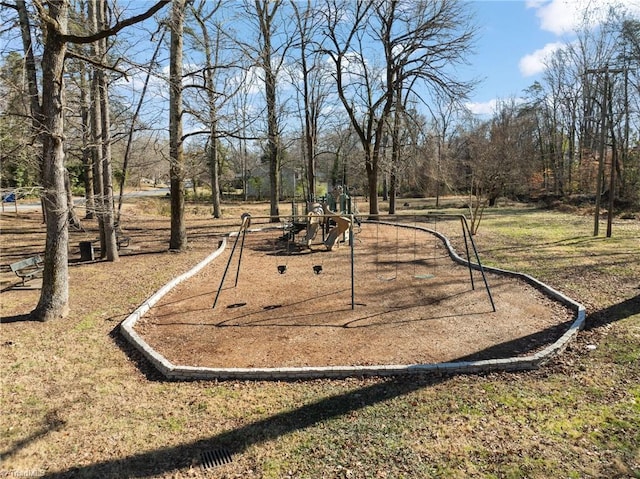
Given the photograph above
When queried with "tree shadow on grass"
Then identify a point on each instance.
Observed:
(236, 441)
(51, 423)
(17, 318)
(614, 313)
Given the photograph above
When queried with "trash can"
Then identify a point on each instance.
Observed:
(86, 251)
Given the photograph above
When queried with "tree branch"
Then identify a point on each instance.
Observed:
(115, 28)
(97, 64)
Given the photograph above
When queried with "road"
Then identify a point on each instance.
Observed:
(31, 205)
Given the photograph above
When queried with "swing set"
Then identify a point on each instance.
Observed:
(470, 248)
(345, 230)
(342, 231)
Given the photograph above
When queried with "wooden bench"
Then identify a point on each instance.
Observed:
(28, 269)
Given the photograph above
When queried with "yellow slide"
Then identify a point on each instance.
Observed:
(342, 224)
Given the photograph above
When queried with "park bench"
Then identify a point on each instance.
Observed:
(28, 269)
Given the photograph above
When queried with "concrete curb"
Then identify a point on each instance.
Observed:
(178, 372)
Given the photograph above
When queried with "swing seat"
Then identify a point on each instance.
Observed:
(424, 276)
(317, 269)
(236, 305)
(282, 268)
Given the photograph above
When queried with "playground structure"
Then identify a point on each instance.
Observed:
(288, 244)
(335, 226)
(332, 213)
(338, 228)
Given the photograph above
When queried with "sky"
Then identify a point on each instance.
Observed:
(513, 39)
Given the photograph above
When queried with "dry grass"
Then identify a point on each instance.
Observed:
(78, 402)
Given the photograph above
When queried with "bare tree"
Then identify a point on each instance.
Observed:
(53, 16)
(444, 114)
(418, 43)
(178, 240)
(313, 84)
(85, 94)
(268, 52)
(216, 84)
(21, 161)
(211, 52)
(134, 120)
(101, 121)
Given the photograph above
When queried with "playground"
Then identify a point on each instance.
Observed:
(76, 381)
(380, 294)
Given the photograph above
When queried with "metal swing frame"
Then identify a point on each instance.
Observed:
(467, 237)
(246, 222)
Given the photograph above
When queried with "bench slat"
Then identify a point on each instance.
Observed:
(29, 268)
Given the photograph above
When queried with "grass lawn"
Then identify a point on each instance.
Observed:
(77, 402)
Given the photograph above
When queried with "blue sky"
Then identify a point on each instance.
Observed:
(514, 37)
(508, 31)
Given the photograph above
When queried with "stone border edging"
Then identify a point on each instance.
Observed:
(177, 372)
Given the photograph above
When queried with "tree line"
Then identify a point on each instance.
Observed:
(363, 94)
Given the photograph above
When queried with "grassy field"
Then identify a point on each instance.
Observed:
(77, 402)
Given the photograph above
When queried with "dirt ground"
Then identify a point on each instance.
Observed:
(285, 305)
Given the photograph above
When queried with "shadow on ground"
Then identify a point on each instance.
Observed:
(612, 314)
(236, 441)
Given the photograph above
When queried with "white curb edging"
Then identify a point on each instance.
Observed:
(178, 372)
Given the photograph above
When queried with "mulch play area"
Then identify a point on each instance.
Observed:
(396, 298)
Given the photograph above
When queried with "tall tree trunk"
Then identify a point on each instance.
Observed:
(393, 186)
(89, 195)
(273, 148)
(111, 248)
(214, 164)
(178, 240)
(371, 167)
(54, 296)
(73, 216)
(243, 149)
(266, 11)
(30, 68)
(97, 137)
(395, 150)
(310, 119)
(37, 127)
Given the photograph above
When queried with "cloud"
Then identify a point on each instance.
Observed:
(559, 16)
(535, 62)
(563, 17)
(494, 105)
(482, 108)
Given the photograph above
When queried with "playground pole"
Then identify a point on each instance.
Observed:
(351, 242)
(475, 252)
(246, 221)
